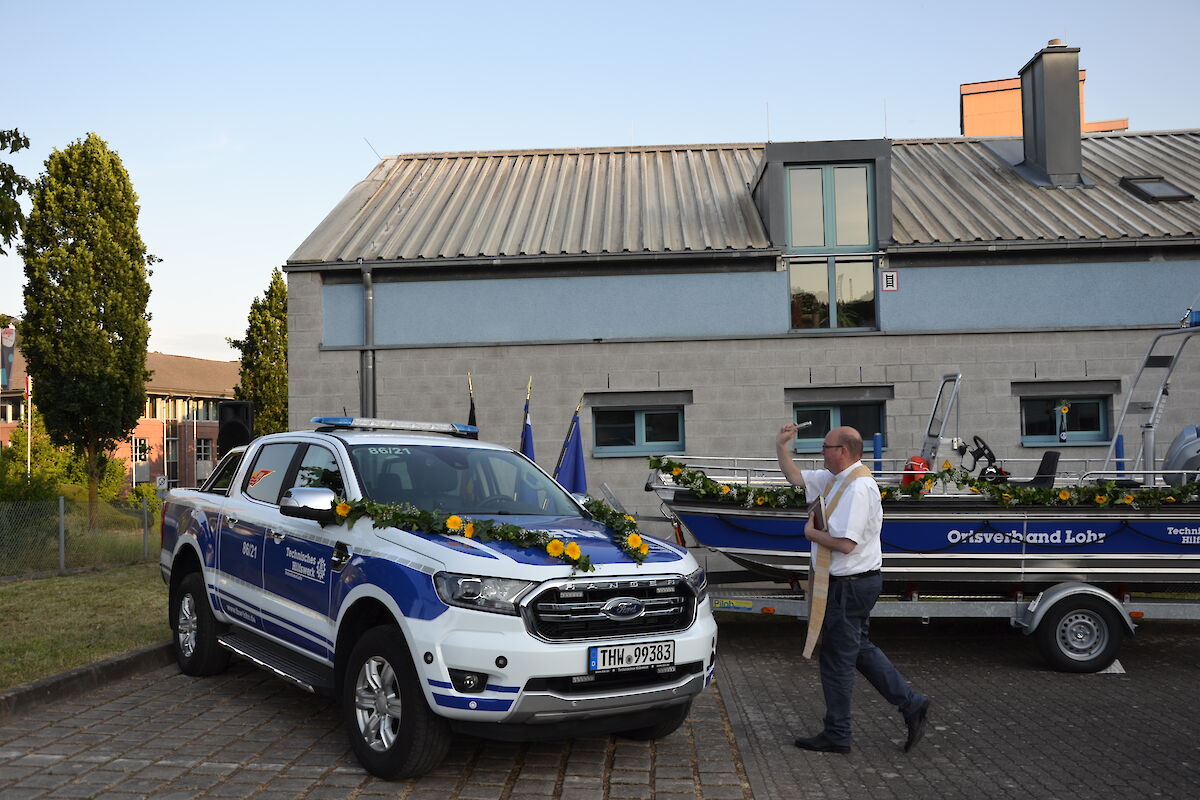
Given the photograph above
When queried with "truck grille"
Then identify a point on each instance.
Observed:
(590, 609)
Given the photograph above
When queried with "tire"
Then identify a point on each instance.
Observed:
(672, 718)
(195, 629)
(1080, 634)
(391, 728)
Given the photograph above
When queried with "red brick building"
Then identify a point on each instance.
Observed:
(176, 435)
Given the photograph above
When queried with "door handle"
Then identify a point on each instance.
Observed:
(276, 536)
(340, 557)
(230, 521)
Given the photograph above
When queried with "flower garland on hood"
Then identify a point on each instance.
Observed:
(623, 529)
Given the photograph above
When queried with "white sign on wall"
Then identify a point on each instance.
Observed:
(889, 280)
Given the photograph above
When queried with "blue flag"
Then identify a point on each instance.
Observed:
(570, 472)
(527, 428)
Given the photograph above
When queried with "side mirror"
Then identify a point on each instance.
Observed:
(309, 503)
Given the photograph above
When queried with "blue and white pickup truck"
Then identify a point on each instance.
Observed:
(421, 634)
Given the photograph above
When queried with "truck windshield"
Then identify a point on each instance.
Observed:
(458, 480)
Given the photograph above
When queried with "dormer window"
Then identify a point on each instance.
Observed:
(1155, 189)
(829, 208)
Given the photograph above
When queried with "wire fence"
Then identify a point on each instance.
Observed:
(51, 536)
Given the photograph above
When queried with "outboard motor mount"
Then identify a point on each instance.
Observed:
(1183, 454)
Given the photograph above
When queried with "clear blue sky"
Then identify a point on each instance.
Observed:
(243, 123)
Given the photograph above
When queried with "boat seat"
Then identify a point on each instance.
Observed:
(1047, 471)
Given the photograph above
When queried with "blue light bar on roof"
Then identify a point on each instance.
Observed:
(371, 424)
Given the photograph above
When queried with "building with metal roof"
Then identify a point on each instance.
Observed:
(695, 296)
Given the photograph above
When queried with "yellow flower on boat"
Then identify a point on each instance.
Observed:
(976, 491)
(1168, 499)
(634, 541)
(1064, 494)
(1065, 409)
(342, 510)
(469, 531)
(725, 489)
(631, 519)
(928, 484)
(454, 523)
(760, 500)
(555, 547)
(1101, 499)
(1127, 499)
(677, 471)
(645, 548)
(573, 551)
(1006, 497)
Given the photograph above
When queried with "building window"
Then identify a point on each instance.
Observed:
(141, 450)
(830, 213)
(866, 418)
(849, 281)
(204, 450)
(1064, 420)
(637, 431)
(830, 208)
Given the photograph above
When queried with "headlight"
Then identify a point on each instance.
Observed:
(497, 595)
(699, 583)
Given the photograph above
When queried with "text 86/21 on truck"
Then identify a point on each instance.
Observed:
(418, 634)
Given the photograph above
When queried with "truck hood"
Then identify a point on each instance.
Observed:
(593, 539)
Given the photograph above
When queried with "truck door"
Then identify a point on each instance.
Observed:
(299, 564)
(251, 510)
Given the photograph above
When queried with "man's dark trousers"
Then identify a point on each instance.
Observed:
(846, 646)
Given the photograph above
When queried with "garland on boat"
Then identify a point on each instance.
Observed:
(623, 529)
(1106, 494)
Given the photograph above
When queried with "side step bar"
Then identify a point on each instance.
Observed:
(285, 663)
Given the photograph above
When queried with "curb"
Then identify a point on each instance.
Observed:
(20, 699)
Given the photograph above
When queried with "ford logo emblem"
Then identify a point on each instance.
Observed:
(623, 609)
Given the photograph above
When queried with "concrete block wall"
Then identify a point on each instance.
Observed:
(737, 386)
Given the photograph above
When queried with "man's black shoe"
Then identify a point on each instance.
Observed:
(916, 725)
(819, 744)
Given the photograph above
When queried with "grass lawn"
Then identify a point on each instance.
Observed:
(50, 625)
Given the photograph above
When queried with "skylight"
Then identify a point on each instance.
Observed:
(1155, 189)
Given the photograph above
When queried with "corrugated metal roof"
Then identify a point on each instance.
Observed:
(948, 192)
(687, 198)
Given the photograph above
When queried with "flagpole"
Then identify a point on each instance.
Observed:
(570, 428)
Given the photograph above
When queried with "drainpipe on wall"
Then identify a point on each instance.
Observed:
(367, 357)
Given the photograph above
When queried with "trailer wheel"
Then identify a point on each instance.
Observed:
(1080, 634)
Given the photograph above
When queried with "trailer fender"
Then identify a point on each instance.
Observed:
(1047, 599)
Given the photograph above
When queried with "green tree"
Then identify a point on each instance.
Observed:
(263, 376)
(50, 468)
(11, 185)
(85, 328)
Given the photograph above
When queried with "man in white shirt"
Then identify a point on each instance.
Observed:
(855, 582)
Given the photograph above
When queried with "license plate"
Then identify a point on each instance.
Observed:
(613, 658)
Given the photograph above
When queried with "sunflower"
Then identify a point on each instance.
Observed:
(760, 500)
(342, 510)
(1064, 494)
(645, 548)
(633, 541)
(1101, 499)
(1127, 499)
(572, 551)
(1168, 499)
(469, 531)
(454, 523)
(725, 489)
(555, 547)
(677, 471)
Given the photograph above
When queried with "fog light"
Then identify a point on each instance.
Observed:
(468, 682)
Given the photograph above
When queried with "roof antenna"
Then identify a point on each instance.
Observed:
(373, 150)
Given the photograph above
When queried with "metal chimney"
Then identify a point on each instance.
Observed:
(1051, 117)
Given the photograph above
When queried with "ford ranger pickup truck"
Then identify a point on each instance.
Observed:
(287, 556)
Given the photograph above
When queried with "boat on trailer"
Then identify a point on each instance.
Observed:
(1137, 528)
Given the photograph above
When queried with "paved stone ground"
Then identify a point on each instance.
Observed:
(1002, 726)
(245, 734)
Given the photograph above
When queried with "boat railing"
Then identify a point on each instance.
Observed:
(760, 471)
